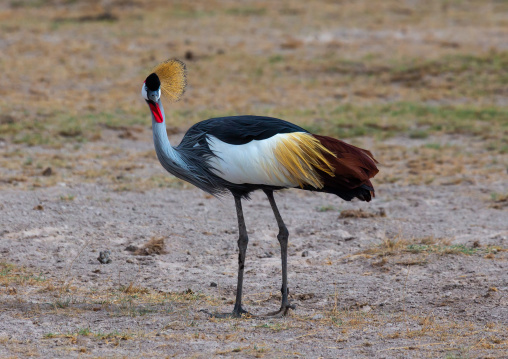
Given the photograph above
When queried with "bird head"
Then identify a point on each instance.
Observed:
(151, 92)
(167, 78)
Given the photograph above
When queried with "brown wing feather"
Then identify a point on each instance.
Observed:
(353, 166)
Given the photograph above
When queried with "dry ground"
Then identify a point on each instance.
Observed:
(419, 272)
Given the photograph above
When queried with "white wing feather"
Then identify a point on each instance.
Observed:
(253, 162)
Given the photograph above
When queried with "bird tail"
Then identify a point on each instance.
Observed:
(353, 169)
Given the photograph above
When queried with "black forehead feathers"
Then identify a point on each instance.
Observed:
(152, 82)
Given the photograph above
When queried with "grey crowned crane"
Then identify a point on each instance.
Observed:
(241, 154)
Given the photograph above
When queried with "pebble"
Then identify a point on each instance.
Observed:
(213, 284)
(305, 253)
(366, 309)
(318, 316)
(104, 257)
(344, 235)
(131, 248)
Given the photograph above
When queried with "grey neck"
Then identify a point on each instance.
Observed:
(168, 156)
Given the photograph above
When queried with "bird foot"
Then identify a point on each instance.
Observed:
(236, 313)
(282, 312)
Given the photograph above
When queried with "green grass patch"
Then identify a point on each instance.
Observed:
(440, 249)
(246, 11)
(55, 129)
(11, 274)
(327, 208)
(413, 120)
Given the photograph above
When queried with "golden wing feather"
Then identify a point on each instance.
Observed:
(300, 154)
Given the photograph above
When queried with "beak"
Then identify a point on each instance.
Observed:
(156, 111)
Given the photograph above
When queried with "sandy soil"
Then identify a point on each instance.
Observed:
(352, 303)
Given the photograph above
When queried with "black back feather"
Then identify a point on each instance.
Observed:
(239, 130)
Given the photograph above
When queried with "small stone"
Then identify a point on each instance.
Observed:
(47, 172)
(213, 284)
(366, 309)
(344, 234)
(305, 253)
(12, 290)
(318, 317)
(104, 257)
(131, 248)
(39, 207)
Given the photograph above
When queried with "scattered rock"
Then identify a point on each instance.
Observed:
(266, 255)
(104, 257)
(476, 244)
(305, 253)
(304, 296)
(318, 317)
(299, 230)
(189, 55)
(47, 172)
(131, 248)
(39, 207)
(12, 291)
(365, 309)
(343, 235)
(127, 135)
(213, 284)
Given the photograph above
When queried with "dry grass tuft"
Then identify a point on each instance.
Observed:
(423, 247)
(500, 201)
(359, 213)
(153, 246)
(132, 289)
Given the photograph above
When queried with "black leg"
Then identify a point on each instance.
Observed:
(243, 240)
(283, 241)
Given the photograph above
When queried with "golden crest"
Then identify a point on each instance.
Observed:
(173, 78)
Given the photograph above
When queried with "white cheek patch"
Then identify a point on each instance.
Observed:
(143, 92)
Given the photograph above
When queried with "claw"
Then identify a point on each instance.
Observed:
(282, 312)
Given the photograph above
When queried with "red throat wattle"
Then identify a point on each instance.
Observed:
(156, 111)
